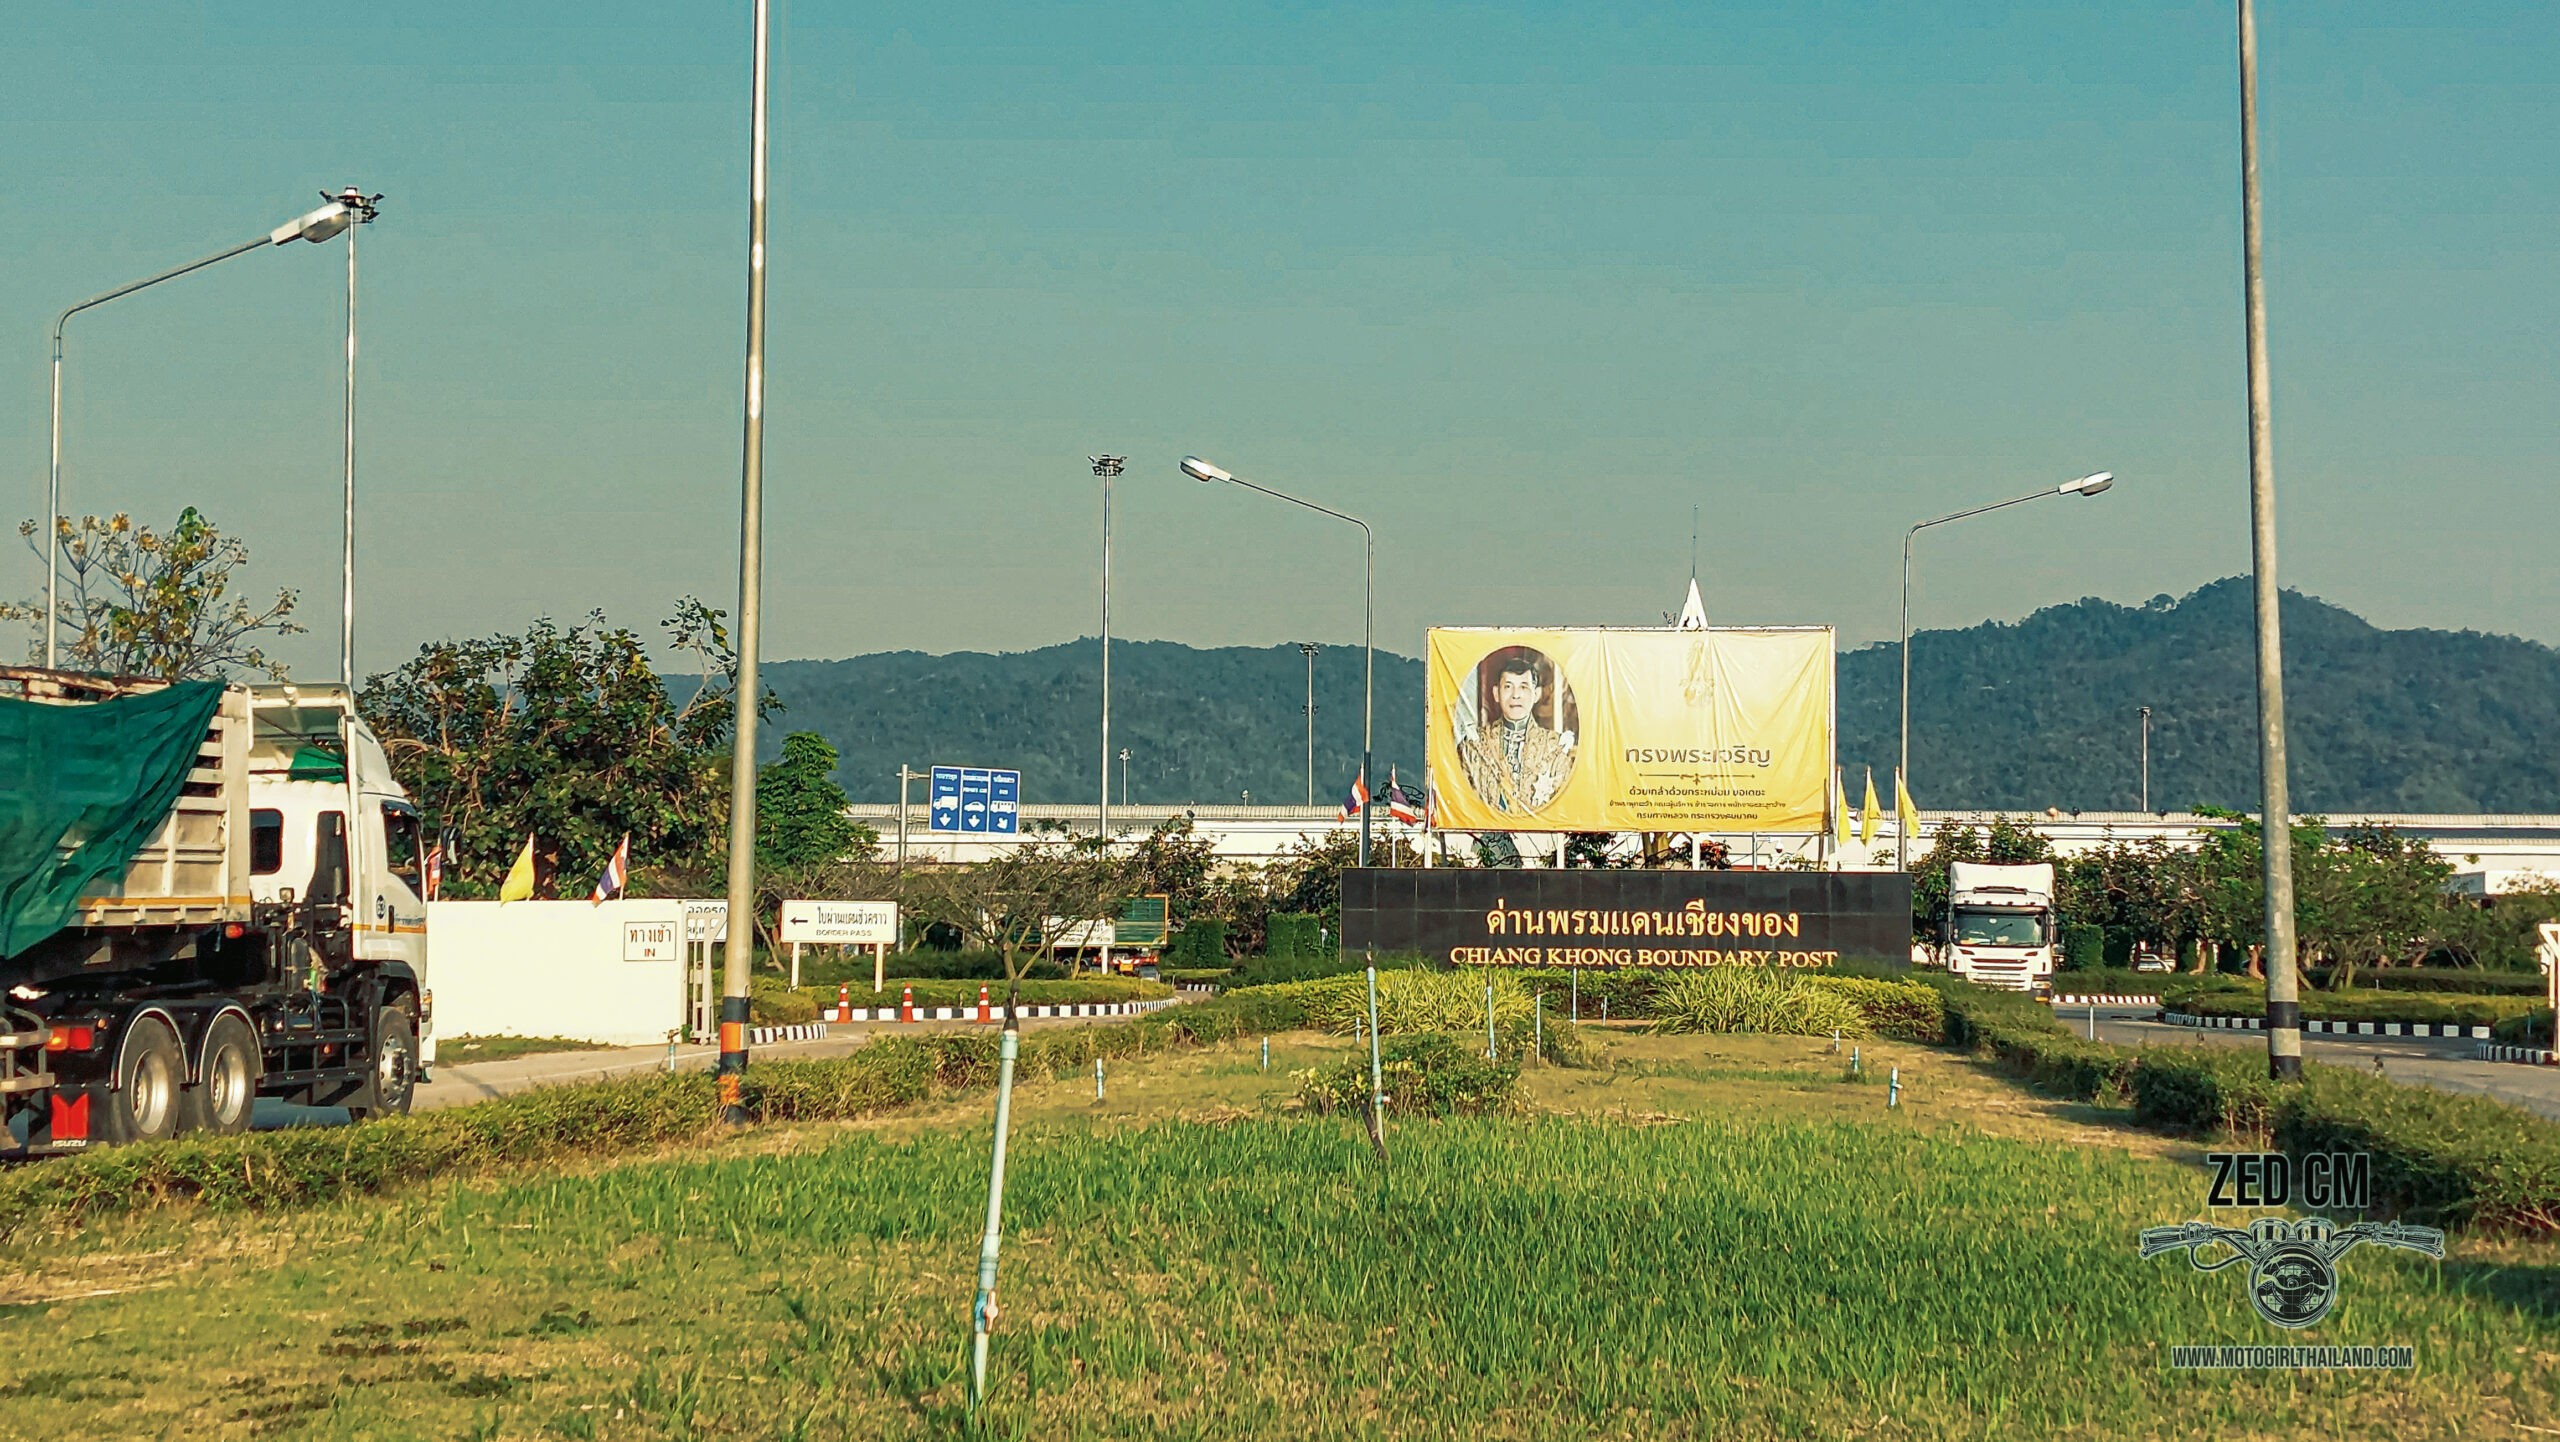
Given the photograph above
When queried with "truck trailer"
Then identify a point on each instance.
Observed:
(208, 894)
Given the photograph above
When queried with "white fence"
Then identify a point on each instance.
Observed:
(611, 973)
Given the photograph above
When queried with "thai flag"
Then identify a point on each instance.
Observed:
(439, 856)
(1403, 805)
(616, 873)
(1358, 801)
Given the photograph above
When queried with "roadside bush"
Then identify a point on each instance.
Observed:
(2435, 1008)
(1413, 1001)
(2084, 947)
(1735, 999)
(2112, 982)
(2464, 980)
(772, 1004)
(1283, 970)
(1628, 991)
(1295, 934)
(1902, 1010)
(830, 967)
(1429, 1075)
(965, 993)
(1202, 941)
(2531, 1029)
(1176, 975)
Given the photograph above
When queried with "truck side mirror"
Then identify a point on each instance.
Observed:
(329, 861)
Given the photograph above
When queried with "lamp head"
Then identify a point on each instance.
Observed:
(1200, 470)
(319, 225)
(2089, 485)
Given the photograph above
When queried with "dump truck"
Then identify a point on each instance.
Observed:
(209, 894)
(1999, 928)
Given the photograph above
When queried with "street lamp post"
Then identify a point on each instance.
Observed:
(1200, 470)
(2284, 1000)
(732, 1064)
(317, 226)
(361, 210)
(2089, 485)
(2146, 760)
(1106, 467)
(1308, 648)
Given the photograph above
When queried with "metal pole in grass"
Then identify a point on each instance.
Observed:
(1377, 1074)
(983, 1315)
(1577, 993)
(1266, 1053)
(1097, 1078)
(1488, 1021)
(1893, 1089)
(1538, 1025)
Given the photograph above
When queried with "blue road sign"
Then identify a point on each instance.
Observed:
(976, 799)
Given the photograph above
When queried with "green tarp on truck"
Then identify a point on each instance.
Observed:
(81, 789)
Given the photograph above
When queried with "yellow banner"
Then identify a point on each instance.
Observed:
(1726, 729)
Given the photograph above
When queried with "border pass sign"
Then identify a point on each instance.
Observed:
(840, 923)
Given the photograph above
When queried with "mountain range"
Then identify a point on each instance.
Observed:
(2010, 715)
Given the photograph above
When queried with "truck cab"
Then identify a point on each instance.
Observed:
(1999, 928)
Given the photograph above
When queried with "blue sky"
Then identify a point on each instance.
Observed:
(1520, 285)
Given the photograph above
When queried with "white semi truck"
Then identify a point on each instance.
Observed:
(265, 937)
(1999, 928)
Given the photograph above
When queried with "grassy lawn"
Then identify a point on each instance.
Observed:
(1713, 1237)
(464, 1050)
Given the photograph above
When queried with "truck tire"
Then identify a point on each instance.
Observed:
(394, 1081)
(226, 1089)
(150, 1076)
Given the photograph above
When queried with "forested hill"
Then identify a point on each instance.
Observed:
(2043, 712)
(2024, 715)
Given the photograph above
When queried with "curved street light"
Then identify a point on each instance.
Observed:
(2089, 485)
(1202, 471)
(316, 226)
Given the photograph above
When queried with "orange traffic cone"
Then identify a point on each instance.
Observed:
(844, 1001)
(982, 1003)
(907, 1004)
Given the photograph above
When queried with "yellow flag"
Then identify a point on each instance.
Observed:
(519, 883)
(1906, 812)
(1868, 814)
(1839, 811)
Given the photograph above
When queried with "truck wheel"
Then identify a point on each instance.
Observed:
(150, 1075)
(387, 1092)
(226, 1089)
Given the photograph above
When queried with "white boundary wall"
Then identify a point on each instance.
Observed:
(557, 968)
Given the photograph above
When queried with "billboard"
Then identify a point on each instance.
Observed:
(1481, 916)
(1587, 729)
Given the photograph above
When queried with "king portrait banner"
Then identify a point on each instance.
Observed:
(1725, 729)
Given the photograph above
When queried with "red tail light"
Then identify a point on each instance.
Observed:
(71, 1038)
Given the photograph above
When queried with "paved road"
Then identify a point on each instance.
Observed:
(453, 1086)
(2443, 1064)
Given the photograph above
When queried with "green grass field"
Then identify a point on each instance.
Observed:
(464, 1050)
(1713, 1237)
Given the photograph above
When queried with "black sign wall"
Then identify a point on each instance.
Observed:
(1475, 916)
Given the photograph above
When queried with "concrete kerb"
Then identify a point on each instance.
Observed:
(2331, 1028)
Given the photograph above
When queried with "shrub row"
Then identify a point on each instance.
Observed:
(301, 1166)
(2439, 1008)
(2531, 1029)
(2459, 1160)
(832, 967)
(965, 993)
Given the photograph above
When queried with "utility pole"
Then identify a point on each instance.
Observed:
(1105, 467)
(361, 209)
(732, 1065)
(1124, 776)
(2146, 760)
(904, 776)
(1309, 648)
(2284, 997)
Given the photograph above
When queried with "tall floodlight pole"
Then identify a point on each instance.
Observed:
(361, 209)
(2284, 998)
(1200, 470)
(2146, 759)
(1309, 649)
(317, 226)
(1106, 467)
(732, 1066)
(2085, 486)
(1124, 775)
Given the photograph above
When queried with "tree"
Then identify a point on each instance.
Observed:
(1017, 903)
(800, 810)
(140, 602)
(2004, 841)
(566, 734)
(1176, 862)
(1309, 877)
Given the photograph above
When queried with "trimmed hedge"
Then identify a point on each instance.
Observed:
(1295, 933)
(2531, 1029)
(2112, 981)
(965, 993)
(1202, 941)
(2459, 1160)
(2438, 1008)
(2460, 979)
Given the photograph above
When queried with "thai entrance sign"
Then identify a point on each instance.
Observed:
(840, 923)
(1475, 916)
(1726, 729)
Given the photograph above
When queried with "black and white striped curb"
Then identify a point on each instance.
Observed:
(2530, 1055)
(995, 1011)
(803, 1031)
(1199, 988)
(2108, 1000)
(2331, 1028)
